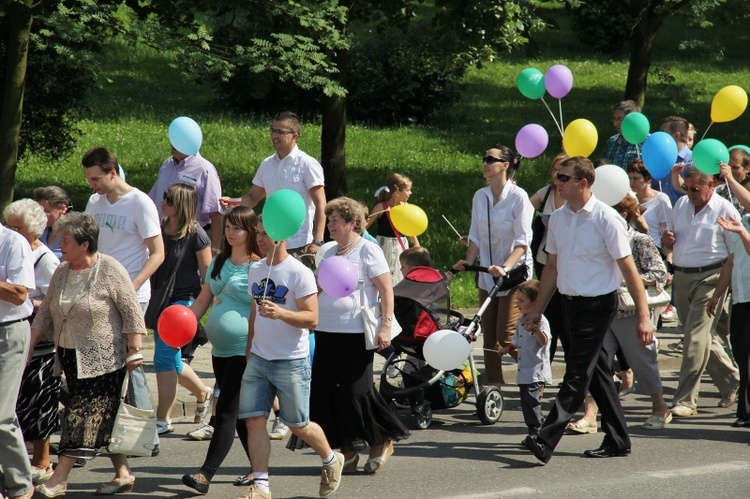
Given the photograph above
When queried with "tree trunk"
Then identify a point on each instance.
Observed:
(11, 106)
(644, 34)
(333, 136)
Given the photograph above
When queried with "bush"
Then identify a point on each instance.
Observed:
(602, 26)
(399, 77)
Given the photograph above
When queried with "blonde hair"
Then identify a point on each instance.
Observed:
(185, 199)
(394, 182)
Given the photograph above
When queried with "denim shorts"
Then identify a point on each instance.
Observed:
(288, 379)
(168, 358)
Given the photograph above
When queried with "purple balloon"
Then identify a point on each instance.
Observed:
(558, 80)
(531, 140)
(338, 277)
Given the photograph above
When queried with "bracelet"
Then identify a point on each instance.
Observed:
(136, 349)
(389, 319)
(133, 358)
(511, 347)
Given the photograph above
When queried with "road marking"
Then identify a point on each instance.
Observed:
(700, 470)
(505, 493)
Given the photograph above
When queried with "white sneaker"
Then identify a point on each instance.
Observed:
(278, 430)
(205, 432)
(670, 314)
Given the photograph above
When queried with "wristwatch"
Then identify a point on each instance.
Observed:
(505, 269)
(319, 242)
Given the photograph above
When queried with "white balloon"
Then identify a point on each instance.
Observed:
(322, 251)
(611, 184)
(446, 350)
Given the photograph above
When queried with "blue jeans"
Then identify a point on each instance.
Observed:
(289, 379)
(167, 358)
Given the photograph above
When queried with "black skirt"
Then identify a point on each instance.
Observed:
(343, 398)
(38, 399)
(91, 410)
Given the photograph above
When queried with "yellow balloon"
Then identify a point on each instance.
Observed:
(409, 219)
(728, 104)
(580, 138)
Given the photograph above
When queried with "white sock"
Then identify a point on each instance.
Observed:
(261, 480)
(330, 460)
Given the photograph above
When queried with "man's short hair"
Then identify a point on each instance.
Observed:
(416, 256)
(627, 107)
(101, 157)
(701, 177)
(674, 124)
(292, 118)
(582, 168)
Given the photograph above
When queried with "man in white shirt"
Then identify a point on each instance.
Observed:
(588, 256)
(129, 231)
(277, 362)
(290, 168)
(16, 278)
(700, 248)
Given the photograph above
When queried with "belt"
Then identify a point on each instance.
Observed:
(8, 323)
(698, 270)
(578, 298)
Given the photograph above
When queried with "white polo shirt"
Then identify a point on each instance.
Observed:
(16, 267)
(587, 244)
(699, 240)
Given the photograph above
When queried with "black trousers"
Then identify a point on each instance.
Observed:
(586, 323)
(739, 337)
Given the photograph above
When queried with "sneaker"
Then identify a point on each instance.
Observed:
(255, 492)
(278, 430)
(163, 427)
(669, 314)
(205, 432)
(330, 476)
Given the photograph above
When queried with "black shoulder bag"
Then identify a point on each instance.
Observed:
(538, 228)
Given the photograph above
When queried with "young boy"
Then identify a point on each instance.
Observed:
(533, 357)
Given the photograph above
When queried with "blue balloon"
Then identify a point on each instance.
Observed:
(659, 154)
(185, 135)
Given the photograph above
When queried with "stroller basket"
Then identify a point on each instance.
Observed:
(448, 392)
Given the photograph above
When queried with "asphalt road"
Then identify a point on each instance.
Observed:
(458, 457)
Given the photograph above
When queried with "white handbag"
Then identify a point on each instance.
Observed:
(654, 298)
(372, 316)
(134, 429)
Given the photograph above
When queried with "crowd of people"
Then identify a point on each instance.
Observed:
(78, 290)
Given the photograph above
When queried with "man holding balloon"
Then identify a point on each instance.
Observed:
(618, 150)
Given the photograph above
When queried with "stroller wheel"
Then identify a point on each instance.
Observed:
(423, 417)
(490, 405)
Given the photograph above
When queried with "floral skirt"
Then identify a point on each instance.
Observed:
(38, 399)
(91, 410)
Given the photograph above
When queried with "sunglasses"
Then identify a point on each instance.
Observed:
(489, 160)
(166, 197)
(278, 131)
(561, 177)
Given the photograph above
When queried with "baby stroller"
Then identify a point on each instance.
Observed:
(422, 307)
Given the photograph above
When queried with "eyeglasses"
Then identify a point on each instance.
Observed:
(279, 131)
(561, 177)
(489, 160)
(697, 188)
(166, 197)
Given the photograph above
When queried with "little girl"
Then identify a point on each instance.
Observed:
(533, 357)
(396, 191)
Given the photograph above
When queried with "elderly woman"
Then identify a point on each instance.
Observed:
(92, 315)
(38, 398)
(55, 203)
(343, 399)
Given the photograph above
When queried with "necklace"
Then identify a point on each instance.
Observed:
(347, 248)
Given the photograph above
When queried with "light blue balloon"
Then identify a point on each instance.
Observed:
(659, 154)
(185, 135)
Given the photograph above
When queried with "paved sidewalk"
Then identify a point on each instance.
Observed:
(185, 405)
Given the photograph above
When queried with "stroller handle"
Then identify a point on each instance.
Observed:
(472, 268)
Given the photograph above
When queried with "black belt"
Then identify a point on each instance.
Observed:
(698, 270)
(8, 323)
(578, 298)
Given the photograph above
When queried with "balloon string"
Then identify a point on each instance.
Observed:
(378, 212)
(553, 116)
(729, 192)
(454, 229)
(268, 277)
(559, 106)
(638, 154)
(707, 128)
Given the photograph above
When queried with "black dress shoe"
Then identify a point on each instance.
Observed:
(607, 451)
(741, 423)
(540, 450)
(191, 482)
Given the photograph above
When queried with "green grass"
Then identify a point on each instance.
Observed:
(139, 95)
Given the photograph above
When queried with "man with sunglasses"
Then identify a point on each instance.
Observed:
(700, 248)
(588, 256)
(291, 168)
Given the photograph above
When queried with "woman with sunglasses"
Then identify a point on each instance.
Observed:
(500, 236)
(225, 291)
(187, 250)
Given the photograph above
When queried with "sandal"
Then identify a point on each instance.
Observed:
(350, 465)
(116, 486)
(163, 427)
(202, 408)
(40, 475)
(582, 426)
(373, 464)
(655, 422)
(244, 480)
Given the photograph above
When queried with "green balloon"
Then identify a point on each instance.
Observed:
(635, 128)
(531, 83)
(708, 153)
(283, 214)
(739, 146)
